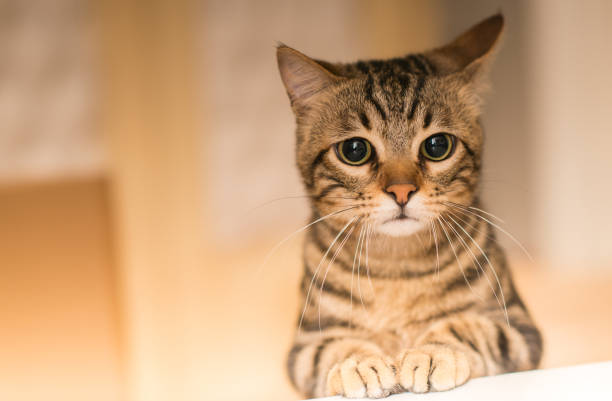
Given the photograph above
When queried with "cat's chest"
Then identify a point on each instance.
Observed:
(399, 302)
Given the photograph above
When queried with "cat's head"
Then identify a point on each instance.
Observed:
(394, 140)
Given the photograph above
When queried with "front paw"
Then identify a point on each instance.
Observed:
(433, 367)
(355, 377)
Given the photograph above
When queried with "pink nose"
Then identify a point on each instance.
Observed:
(401, 192)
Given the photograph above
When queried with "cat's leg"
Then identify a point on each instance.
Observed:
(345, 365)
(455, 349)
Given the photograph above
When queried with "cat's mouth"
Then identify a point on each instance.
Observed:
(400, 223)
(399, 217)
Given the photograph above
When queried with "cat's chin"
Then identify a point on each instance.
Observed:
(400, 227)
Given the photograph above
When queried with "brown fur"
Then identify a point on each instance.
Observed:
(393, 306)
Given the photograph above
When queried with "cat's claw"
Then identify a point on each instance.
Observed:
(372, 377)
(433, 367)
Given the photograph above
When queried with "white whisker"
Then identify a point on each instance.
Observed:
(457, 258)
(369, 234)
(517, 242)
(352, 277)
(462, 218)
(287, 238)
(501, 290)
(360, 248)
(271, 201)
(476, 209)
(433, 230)
(488, 214)
(319, 266)
(474, 259)
(330, 264)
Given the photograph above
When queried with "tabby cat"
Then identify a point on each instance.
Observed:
(405, 287)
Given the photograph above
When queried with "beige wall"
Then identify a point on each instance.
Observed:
(47, 91)
(570, 88)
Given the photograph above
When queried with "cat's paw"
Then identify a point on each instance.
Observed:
(355, 377)
(433, 367)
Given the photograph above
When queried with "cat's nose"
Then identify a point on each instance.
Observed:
(401, 192)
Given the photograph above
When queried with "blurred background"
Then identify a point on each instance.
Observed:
(141, 144)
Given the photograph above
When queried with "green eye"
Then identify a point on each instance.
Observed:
(354, 151)
(438, 147)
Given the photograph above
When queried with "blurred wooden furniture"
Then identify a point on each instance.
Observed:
(58, 327)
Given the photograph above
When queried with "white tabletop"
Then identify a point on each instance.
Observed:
(591, 382)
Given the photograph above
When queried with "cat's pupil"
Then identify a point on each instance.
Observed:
(437, 145)
(354, 150)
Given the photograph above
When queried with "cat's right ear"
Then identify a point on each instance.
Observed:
(304, 78)
(471, 53)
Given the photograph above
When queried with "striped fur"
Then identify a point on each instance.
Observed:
(420, 304)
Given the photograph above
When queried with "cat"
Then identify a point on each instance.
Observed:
(405, 287)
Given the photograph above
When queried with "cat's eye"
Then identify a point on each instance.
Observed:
(438, 147)
(354, 151)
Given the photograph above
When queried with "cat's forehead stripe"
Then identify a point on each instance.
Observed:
(369, 95)
(365, 121)
(427, 120)
(415, 98)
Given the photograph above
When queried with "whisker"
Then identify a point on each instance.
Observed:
(251, 210)
(462, 218)
(477, 209)
(369, 234)
(319, 266)
(287, 238)
(457, 258)
(517, 242)
(487, 213)
(352, 276)
(360, 247)
(475, 259)
(331, 262)
(501, 290)
(433, 231)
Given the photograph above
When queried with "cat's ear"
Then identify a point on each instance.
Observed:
(303, 77)
(472, 52)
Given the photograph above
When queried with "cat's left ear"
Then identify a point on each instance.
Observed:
(304, 78)
(470, 55)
